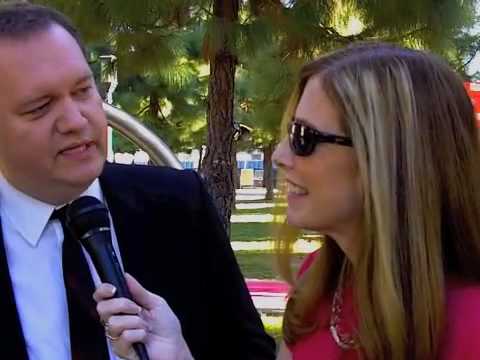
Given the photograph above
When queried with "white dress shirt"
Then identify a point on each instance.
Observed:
(33, 247)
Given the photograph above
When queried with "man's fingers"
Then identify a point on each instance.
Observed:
(133, 336)
(103, 292)
(107, 308)
(141, 295)
(116, 325)
(123, 346)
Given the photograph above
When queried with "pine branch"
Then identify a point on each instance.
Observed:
(207, 11)
(472, 56)
(163, 116)
(408, 34)
(367, 34)
(143, 110)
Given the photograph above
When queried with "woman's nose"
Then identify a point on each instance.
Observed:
(283, 156)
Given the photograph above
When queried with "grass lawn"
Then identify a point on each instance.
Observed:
(273, 326)
(251, 231)
(261, 264)
(277, 210)
(258, 263)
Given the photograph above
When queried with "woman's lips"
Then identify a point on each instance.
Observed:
(294, 189)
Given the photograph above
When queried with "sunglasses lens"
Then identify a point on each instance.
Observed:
(302, 140)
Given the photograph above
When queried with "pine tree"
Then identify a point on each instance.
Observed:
(267, 39)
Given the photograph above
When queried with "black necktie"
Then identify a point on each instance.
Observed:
(87, 337)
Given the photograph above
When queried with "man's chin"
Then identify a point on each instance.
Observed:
(84, 177)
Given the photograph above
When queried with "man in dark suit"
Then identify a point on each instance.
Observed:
(165, 231)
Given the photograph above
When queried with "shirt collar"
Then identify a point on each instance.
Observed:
(29, 216)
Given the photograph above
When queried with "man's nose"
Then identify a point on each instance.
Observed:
(71, 117)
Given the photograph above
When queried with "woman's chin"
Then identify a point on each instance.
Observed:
(296, 219)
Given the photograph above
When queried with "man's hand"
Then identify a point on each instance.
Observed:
(147, 319)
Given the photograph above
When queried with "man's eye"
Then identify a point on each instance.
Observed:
(84, 90)
(38, 110)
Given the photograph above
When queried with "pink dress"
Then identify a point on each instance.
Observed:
(461, 340)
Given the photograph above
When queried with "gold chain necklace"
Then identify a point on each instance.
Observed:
(343, 339)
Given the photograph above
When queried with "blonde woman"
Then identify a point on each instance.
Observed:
(382, 158)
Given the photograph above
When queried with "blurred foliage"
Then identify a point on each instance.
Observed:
(163, 49)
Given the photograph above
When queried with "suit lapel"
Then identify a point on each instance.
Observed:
(14, 347)
(129, 218)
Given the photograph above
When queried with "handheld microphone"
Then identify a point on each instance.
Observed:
(88, 221)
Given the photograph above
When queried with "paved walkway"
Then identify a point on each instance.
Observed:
(269, 296)
(250, 194)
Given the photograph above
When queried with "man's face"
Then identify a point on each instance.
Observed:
(52, 124)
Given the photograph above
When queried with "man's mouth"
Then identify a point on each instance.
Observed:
(77, 148)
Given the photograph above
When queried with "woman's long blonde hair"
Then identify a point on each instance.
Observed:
(413, 129)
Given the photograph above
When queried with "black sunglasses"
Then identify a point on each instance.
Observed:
(303, 139)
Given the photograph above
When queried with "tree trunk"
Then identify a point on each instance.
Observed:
(268, 170)
(217, 165)
(154, 104)
(235, 172)
(200, 158)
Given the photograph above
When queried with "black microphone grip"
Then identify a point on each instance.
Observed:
(99, 246)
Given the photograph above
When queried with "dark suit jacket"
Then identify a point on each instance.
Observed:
(172, 241)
